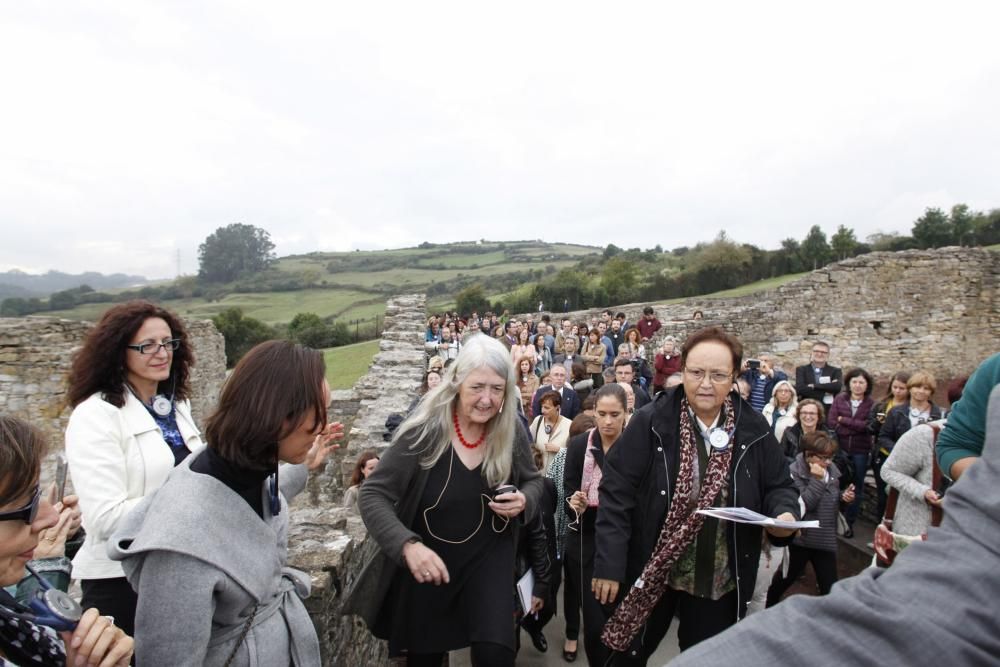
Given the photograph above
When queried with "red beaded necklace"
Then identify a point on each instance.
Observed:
(461, 438)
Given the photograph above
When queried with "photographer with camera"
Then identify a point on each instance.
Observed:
(761, 375)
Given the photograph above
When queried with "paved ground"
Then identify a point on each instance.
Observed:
(853, 556)
(529, 657)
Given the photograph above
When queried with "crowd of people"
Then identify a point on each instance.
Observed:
(533, 460)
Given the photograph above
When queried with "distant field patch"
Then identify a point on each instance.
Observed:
(347, 364)
(270, 307)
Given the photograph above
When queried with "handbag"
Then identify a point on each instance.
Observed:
(885, 539)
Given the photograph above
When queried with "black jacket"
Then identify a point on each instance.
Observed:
(536, 545)
(640, 475)
(569, 407)
(805, 376)
(897, 422)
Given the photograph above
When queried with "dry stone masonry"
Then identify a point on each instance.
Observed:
(329, 541)
(35, 358)
(884, 311)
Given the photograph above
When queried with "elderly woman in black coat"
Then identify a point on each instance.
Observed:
(443, 506)
(694, 447)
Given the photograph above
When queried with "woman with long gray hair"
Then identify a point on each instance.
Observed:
(439, 505)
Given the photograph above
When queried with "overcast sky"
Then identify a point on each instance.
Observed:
(131, 130)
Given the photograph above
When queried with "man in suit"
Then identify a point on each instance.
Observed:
(570, 406)
(817, 379)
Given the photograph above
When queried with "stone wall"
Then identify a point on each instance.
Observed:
(328, 541)
(35, 358)
(884, 311)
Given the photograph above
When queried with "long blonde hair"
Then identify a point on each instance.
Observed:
(429, 426)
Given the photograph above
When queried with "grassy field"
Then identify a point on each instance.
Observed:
(758, 286)
(270, 307)
(346, 364)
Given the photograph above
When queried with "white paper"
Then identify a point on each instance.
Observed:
(824, 379)
(743, 515)
(524, 587)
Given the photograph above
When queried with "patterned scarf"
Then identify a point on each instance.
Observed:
(592, 474)
(24, 642)
(679, 529)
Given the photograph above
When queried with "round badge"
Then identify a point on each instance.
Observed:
(718, 438)
(162, 405)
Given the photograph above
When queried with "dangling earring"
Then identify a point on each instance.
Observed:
(501, 406)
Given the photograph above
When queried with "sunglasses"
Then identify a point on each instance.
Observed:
(28, 512)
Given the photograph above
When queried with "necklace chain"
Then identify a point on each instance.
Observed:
(461, 438)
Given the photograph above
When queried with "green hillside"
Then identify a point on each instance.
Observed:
(353, 286)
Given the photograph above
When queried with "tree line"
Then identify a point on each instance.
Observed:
(626, 276)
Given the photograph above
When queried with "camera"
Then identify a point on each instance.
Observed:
(503, 488)
(753, 364)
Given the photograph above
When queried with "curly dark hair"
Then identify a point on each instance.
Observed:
(99, 366)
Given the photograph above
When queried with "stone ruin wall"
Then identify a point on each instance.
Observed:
(329, 541)
(35, 358)
(884, 311)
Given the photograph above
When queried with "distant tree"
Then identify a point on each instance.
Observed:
(933, 229)
(310, 330)
(241, 333)
(618, 278)
(961, 219)
(15, 306)
(472, 299)
(815, 249)
(843, 243)
(611, 251)
(986, 227)
(789, 258)
(232, 251)
(891, 241)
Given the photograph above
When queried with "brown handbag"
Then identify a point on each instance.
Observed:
(885, 553)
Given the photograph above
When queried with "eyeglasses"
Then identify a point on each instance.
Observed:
(154, 348)
(821, 351)
(28, 512)
(716, 377)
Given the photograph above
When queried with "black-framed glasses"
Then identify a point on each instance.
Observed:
(154, 348)
(28, 512)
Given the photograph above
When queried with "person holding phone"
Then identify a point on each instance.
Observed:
(26, 515)
(440, 505)
(131, 424)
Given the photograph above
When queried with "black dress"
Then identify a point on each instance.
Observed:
(477, 604)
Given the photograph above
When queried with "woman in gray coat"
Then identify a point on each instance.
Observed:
(206, 552)
(819, 488)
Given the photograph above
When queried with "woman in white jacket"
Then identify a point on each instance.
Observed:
(131, 424)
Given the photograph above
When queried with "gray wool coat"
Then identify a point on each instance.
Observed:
(822, 501)
(200, 559)
(910, 470)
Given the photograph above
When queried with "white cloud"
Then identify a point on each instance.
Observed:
(381, 125)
